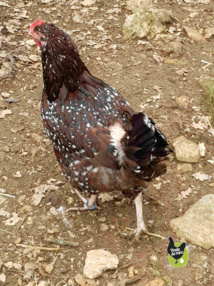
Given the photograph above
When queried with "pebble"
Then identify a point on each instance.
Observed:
(80, 279)
(18, 240)
(2, 278)
(153, 258)
(182, 101)
(103, 227)
(49, 268)
(102, 219)
(97, 261)
(131, 272)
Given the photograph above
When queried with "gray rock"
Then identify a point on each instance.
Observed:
(186, 150)
(197, 224)
(97, 261)
(146, 23)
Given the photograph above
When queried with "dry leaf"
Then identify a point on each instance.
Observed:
(202, 177)
(40, 193)
(200, 125)
(17, 174)
(88, 2)
(4, 213)
(33, 58)
(194, 35)
(5, 94)
(183, 195)
(13, 220)
(5, 112)
(4, 4)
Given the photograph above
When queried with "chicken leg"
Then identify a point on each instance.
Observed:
(141, 227)
(88, 204)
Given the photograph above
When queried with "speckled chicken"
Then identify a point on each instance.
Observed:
(100, 143)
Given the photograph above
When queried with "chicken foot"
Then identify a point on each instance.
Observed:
(88, 204)
(141, 227)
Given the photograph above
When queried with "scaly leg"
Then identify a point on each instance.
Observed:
(88, 204)
(141, 227)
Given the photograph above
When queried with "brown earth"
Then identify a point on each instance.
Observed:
(141, 71)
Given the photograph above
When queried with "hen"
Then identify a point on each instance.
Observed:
(101, 144)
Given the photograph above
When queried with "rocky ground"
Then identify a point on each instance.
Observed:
(161, 74)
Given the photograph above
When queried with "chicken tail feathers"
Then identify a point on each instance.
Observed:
(145, 147)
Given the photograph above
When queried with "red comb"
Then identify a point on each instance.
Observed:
(36, 23)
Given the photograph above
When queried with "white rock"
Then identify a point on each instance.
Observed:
(2, 278)
(98, 261)
(186, 150)
(197, 224)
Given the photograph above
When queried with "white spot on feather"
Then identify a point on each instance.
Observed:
(117, 133)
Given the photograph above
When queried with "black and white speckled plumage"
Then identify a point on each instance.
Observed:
(99, 142)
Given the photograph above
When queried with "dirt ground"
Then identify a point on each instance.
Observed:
(151, 77)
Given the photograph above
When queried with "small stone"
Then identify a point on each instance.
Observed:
(180, 282)
(186, 150)
(19, 282)
(49, 268)
(103, 227)
(156, 282)
(77, 18)
(70, 200)
(97, 261)
(9, 264)
(198, 276)
(131, 272)
(80, 279)
(18, 240)
(182, 101)
(184, 167)
(2, 278)
(17, 266)
(153, 258)
(102, 219)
